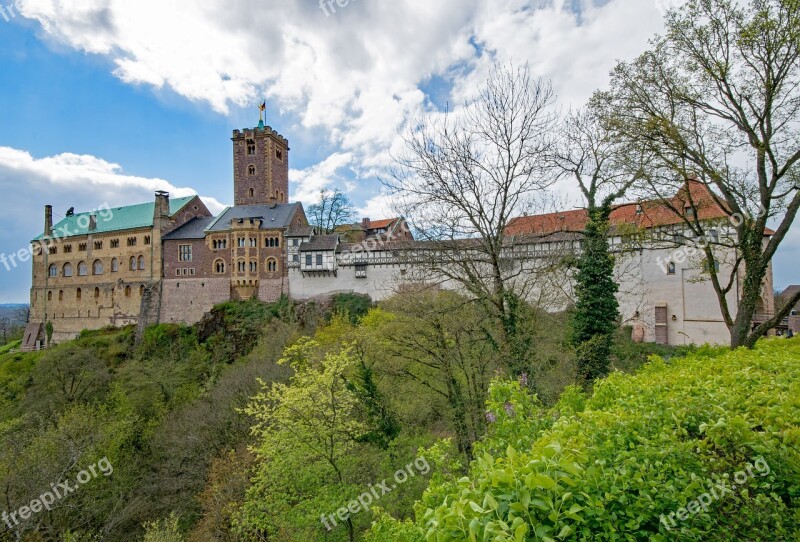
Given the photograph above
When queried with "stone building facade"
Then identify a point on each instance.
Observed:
(92, 270)
(171, 261)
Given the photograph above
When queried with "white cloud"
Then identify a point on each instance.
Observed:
(64, 180)
(78, 180)
(376, 208)
(307, 183)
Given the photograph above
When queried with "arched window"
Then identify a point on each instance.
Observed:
(254, 267)
(219, 266)
(97, 267)
(671, 268)
(141, 263)
(114, 265)
(50, 295)
(83, 270)
(53, 272)
(127, 291)
(67, 270)
(242, 267)
(251, 147)
(141, 290)
(61, 295)
(272, 265)
(282, 197)
(251, 170)
(252, 192)
(96, 293)
(78, 294)
(133, 263)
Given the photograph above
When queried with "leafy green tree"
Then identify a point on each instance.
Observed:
(588, 154)
(596, 307)
(306, 447)
(715, 101)
(437, 343)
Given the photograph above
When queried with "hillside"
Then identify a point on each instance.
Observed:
(274, 422)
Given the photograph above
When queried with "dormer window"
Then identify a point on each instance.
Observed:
(690, 213)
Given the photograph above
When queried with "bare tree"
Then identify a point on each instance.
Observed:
(465, 174)
(22, 314)
(717, 100)
(4, 325)
(333, 210)
(602, 166)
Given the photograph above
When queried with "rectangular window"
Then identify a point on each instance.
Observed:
(191, 271)
(81, 247)
(319, 260)
(361, 271)
(308, 260)
(185, 253)
(241, 242)
(295, 242)
(98, 245)
(131, 241)
(296, 258)
(177, 272)
(115, 243)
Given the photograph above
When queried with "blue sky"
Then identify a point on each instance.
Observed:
(107, 101)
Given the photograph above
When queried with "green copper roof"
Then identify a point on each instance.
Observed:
(115, 219)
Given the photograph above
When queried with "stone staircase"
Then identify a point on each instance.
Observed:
(33, 339)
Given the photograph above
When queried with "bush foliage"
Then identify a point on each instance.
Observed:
(610, 466)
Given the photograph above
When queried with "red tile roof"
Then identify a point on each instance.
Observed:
(378, 224)
(646, 214)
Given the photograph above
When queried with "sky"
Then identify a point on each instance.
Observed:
(103, 102)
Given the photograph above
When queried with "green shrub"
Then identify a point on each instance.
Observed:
(355, 306)
(615, 466)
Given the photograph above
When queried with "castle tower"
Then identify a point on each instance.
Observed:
(260, 166)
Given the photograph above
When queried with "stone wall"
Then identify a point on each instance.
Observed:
(187, 300)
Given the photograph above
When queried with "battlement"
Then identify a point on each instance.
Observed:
(249, 133)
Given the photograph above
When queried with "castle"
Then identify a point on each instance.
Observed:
(171, 260)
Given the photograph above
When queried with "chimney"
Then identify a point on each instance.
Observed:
(365, 223)
(161, 211)
(48, 220)
(92, 222)
(162, 205)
